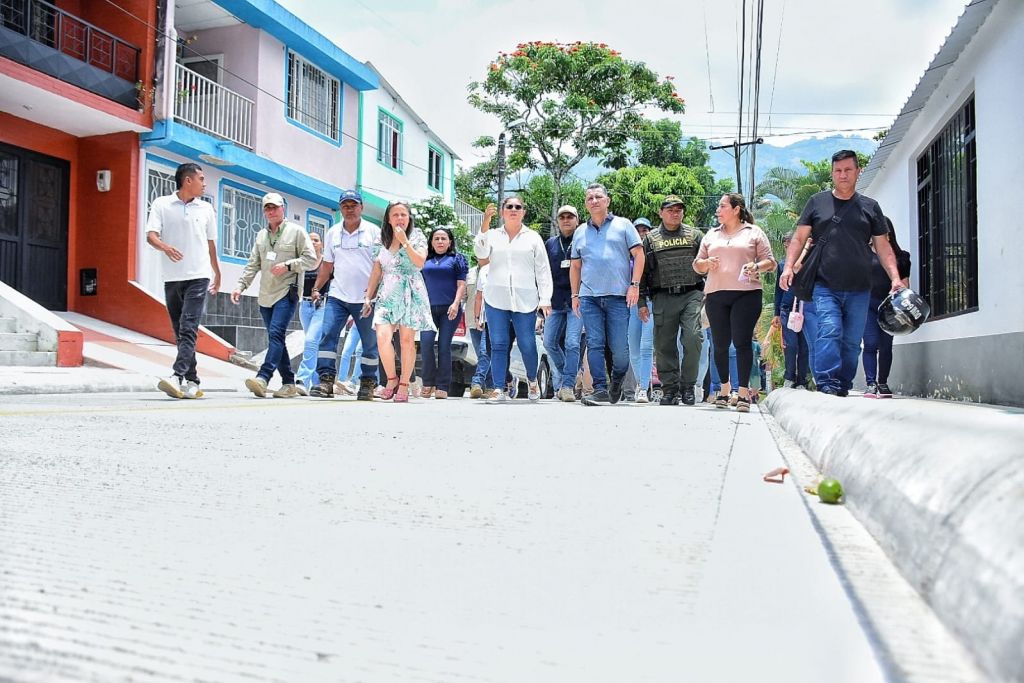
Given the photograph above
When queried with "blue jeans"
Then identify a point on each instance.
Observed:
(482, 376)
(562, 331)
(716, 379)
(606, 319)
(353, 347)
(640, 338)
(437, 369)
(337, 315)
(276, 318)
(797, 368)
(840, 317)
(705, 357)
(877, 347)
(312, 319)
(498, 323)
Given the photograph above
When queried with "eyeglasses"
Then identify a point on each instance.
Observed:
(514, 207)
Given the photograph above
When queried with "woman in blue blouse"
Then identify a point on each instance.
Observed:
(445, 273)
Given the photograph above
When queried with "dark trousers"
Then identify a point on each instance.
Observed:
(733, 314)
(276, 318)
(677, 317)
(877, 355)
(186, 300)
(437, 367)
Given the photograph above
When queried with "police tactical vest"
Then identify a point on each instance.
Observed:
(674, 252)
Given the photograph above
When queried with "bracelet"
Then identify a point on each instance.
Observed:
(575, 296)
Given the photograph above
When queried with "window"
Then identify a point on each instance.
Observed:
(241, 219)
(435, 162)
(317, 223)
(947, 202)
(313, 97)
(389, 141)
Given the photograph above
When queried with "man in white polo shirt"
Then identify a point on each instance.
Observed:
(349, 250)
(184, 228)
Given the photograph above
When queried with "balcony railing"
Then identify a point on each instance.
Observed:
(53, 27)
(211, 108)
(469, 214)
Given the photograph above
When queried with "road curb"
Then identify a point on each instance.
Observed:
(939, 487)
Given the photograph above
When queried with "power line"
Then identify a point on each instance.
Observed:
(775, 72)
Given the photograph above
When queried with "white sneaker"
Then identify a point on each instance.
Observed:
(641, 396)
(342, 389)
(192, 390)
(534, 392)
(566, 395)
(788, 384)
(501, 397)
(171, 386)
(301, 390)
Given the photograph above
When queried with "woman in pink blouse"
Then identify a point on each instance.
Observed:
(733, 256)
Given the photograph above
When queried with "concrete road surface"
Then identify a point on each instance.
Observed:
(234, 538)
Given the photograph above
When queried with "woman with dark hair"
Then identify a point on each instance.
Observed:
(444, 273)
(877, 355)
(402, 301)
(733, 256)
(518, 285)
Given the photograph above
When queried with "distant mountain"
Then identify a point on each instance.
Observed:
(768, 156)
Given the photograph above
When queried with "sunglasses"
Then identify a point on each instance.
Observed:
(514, 207)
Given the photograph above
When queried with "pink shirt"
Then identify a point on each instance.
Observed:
(749, 244)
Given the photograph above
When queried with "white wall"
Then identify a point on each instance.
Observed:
(149, 271)
(991, 68)
(411, 183)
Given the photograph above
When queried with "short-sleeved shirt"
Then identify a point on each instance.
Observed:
(846, 261)
(747, 244)
(442, 274)
(352, 254)
(605, 254)
(188, 227)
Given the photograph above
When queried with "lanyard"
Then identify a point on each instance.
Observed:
(273, 240)
(565, 248)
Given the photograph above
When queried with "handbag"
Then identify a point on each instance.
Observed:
(802, 285)
(795, 321)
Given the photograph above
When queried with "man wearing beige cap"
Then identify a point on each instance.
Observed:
(562, 328)
(281, 254)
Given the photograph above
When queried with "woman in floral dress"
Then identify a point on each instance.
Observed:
(402, 300)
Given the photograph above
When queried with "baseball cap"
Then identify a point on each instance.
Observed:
(642, 221)
(350, 196)
(672, 200)
(567, 208)
(273, 198)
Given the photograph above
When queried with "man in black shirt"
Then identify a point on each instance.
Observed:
(842, 223)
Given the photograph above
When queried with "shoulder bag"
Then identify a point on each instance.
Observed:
(802, 285)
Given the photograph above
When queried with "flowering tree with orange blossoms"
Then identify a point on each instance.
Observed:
(574, 100)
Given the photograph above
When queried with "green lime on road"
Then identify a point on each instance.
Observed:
(830, 491)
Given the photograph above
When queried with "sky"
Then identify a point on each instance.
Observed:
(826, 65)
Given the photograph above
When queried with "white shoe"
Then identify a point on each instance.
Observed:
(342, 389)
(171, 386)
(192, 390)
(788, 384)
(566, 395)
(641, 396)
(301, 390)
(257, 385)
(502, 397)
(534, 393)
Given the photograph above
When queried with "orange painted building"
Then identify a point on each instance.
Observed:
(76, 84)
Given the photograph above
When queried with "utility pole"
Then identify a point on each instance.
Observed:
(735, 147)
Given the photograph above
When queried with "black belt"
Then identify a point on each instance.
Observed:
(682, 289)
(307, 298)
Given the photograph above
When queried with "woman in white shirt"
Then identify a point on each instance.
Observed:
(518, 284)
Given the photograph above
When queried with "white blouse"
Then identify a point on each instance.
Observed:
(519, 277)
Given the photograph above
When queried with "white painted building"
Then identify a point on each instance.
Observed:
(946, 176)
(401, 159)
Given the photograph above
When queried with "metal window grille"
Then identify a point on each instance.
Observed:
(158, 184)
(389, 141)
(947, 199)
(434, 175)
(318, 225)
(241, 219)
(313, 97)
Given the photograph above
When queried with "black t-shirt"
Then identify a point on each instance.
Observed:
(309, 279)
(846, 261)
(880, 283)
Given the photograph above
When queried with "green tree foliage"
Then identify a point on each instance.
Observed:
(792, 188)
(638, 191)
(433, 212)
(570, 101)
(538, 195)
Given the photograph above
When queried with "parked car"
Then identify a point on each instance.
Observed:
(518, 371)
(463, 360)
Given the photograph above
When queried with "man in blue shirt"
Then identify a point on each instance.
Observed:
(562, 322)
(603, 290)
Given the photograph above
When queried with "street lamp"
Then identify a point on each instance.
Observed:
(512, 125)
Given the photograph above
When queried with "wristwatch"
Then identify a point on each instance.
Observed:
(634, 284)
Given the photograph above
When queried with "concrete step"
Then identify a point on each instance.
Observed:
(33, 358)
(19, 341)
(8, 325)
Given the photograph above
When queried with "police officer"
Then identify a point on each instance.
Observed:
(676, 292)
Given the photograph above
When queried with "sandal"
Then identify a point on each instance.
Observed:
(400, 397)
(426, 392)
(389, 391)
(722, 401)
(742, 405)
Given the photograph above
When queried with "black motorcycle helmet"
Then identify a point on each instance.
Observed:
(902, 312)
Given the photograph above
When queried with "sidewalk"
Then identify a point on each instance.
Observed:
(116, 360)
(938, 484)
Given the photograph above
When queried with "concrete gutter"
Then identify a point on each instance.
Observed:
(940, 486)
